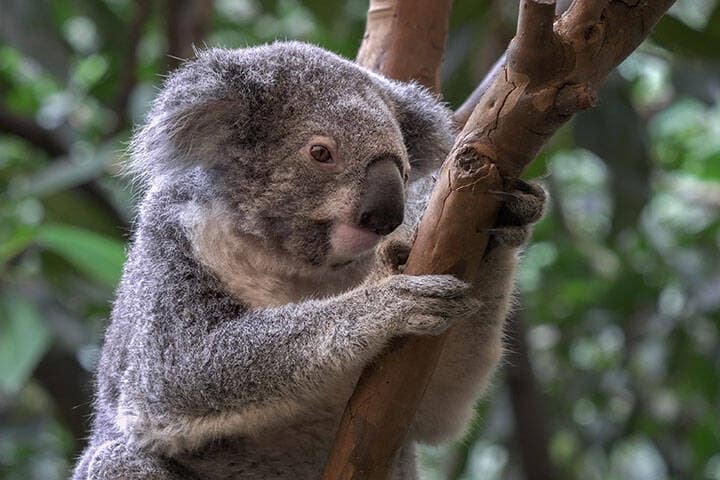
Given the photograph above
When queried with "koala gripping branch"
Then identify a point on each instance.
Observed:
(465, 181)
(552, 70)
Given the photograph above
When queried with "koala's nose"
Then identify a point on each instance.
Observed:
(382, 205)
(379, 223)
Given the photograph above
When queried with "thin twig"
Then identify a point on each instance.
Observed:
(187, 23)
(128, 72)
(56, 148)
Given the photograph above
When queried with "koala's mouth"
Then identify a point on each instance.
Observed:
(342, 264)
(349, 241)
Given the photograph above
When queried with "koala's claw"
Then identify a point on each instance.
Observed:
(435, 316)
(427, 325)
(431, 286)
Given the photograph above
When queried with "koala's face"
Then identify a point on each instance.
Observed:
(309, 150)
(328, 181)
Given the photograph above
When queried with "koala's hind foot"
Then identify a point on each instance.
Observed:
(523, 204)
(113, 460)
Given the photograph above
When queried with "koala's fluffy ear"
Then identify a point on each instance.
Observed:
(426, 125)
(201, 105)
(176, 140)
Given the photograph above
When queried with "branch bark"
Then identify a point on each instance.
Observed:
(531, 434)
(405, 40)
(55, 147)
(128, 74)
(462, 114)
(553, 69)
(187, 22)
(465, 110)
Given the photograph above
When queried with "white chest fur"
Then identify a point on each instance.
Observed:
(254, 275)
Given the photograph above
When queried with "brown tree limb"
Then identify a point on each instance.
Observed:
(187, 22)
(128, 73)
(463, 112)
(552, 71)
(531, 435)
(405, 40)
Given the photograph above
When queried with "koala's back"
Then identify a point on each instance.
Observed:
(159, 258)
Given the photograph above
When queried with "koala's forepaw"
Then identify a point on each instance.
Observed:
(428, 304)
(523, 204)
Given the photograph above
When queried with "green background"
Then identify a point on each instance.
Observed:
(613, 370)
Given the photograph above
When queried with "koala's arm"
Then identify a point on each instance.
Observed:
(474, 347)
(470, 356)
(200, 365)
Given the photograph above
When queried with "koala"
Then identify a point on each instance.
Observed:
(282, 186)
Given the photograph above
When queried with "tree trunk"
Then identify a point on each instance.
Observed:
(531, 435)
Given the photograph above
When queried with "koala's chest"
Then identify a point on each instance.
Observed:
(256, 277)
(263, 289)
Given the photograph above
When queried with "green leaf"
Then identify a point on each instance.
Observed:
(24, 338)
(676, 36)
(15, 243)
(90, 70)
(97, 256)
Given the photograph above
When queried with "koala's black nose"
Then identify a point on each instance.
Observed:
(382, 205)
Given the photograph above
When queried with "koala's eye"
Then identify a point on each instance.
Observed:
(321, 154)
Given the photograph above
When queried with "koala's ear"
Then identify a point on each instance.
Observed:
(426, 125)
(201, 106)
(174, 141)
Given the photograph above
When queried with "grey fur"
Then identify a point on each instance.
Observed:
(237, 337)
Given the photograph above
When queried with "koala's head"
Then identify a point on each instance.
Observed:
(311, 152)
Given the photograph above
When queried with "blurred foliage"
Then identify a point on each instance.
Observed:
(620, 288)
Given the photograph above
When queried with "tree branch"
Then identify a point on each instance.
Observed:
(55, 147)
(187, 22)
(552, 71)
(530, 429)
(128, 73)
(405, 40)
(462, 114)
